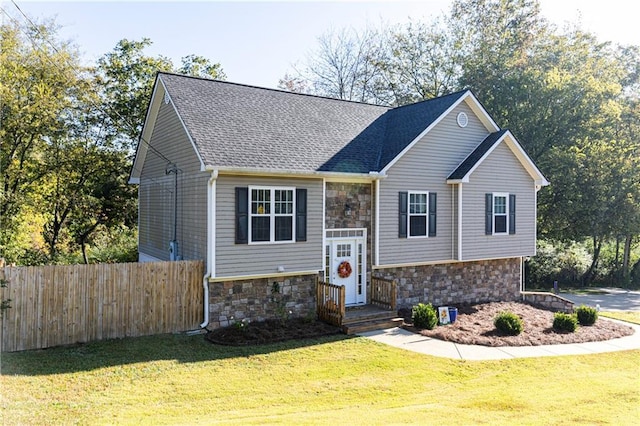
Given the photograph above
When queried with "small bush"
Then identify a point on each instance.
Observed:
(564, 322)
(424, 316)
(586, 315)
(508, 323)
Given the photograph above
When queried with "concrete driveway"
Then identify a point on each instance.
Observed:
(611, 299)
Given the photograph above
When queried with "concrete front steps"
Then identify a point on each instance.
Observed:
(368, 318)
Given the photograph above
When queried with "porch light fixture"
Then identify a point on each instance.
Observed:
(347, 210)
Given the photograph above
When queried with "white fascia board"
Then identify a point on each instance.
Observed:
(328, 176)
(481, 113)
(184, 127)
(517, 150)
(475, 106)
(147, 131)
(525, 160)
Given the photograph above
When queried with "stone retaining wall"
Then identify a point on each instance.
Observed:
(253, 299)
(548, 301)
(456, 283)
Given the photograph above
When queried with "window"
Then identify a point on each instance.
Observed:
(271, 216)
(417, 214)
(265, 214)
(500, 214)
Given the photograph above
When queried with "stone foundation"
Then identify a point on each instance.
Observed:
(548, 301)
(456, 283)
(253, 300)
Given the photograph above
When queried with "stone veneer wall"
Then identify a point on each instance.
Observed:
(359, 198)
(456, 283)
(234, 301)
(548, 301)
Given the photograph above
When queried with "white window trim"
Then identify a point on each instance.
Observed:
(272, 215)
(409, 193)
(505, 214)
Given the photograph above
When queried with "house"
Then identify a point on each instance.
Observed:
(268, 186)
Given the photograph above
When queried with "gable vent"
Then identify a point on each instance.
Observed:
(462, 119)
(166, 98)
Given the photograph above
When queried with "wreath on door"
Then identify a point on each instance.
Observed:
(344, 269)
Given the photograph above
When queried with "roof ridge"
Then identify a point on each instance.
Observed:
(457, 93)
(286, 92)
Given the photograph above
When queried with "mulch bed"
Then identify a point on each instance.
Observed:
(474, 326)
(270, 331)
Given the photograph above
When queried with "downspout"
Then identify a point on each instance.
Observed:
(460, 221)
(211, 243)
(377, 223)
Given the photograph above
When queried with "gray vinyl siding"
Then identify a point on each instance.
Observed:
(499, 172)
(258, 259)
(156, 193)
(425, 167)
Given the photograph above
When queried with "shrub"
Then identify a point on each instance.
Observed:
(564, 322)
(424, 316)
(586, 315)
(508, 323)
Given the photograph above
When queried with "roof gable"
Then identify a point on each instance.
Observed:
(464, 170)
(454, 100)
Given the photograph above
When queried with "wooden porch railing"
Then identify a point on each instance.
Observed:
(330, 299)
(383, 293)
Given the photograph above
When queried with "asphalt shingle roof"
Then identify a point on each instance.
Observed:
(240, 126)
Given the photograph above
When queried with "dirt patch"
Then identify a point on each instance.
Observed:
(474, 326)
(270, 331)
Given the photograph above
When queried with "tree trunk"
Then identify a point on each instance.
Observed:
(588, 275)
(626, 257)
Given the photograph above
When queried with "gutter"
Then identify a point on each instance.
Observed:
(364, 177)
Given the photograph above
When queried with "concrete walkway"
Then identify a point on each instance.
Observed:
(404, 339)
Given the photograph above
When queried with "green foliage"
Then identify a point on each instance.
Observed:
(508, 323)
(424, 316)
(66, 145)
(586, 315)
(564, 322)
(556, 261)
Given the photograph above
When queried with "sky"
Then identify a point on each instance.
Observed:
(258, 42)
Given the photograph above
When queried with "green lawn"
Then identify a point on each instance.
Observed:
(628, 316)
(175, 379)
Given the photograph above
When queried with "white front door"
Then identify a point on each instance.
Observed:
(346, 267)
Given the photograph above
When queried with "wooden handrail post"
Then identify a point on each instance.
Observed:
(342, 301)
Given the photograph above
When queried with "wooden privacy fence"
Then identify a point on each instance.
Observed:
(59, 305)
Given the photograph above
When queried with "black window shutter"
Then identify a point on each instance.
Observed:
(433, 208)
(488, 220)
(242, 215)
(512, 214)
(402, 214)
(301, 214)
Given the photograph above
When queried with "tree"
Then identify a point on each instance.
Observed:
(37, 92)
(344, 66)
(125, 78)
(420, 62)
(200, 66)
(66, 139)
